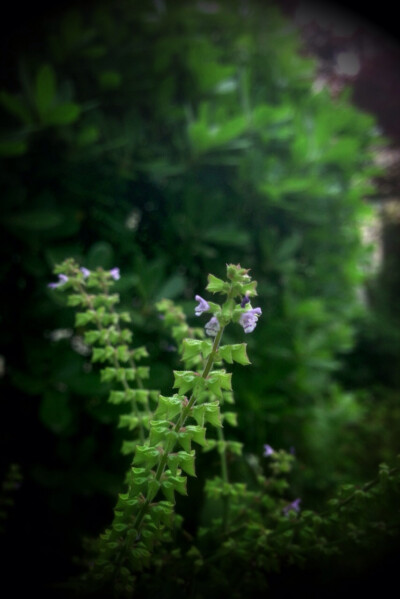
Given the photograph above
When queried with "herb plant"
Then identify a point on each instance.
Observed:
(256, 526)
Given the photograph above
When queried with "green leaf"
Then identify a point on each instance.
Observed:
(91, 337)
(128, 447)
(162, 512)
(205, 137)
(168, 489)
(108, 374)
(83, 318)
(139, 395)
(75, 300)
(139, 352)
(231, 418)
(218, 380)
(143, 372)
(194, 347)
(158, 431)
(118, 397)
(198, 434)
(63, 114)
(225, 353)
(186, 461)
(216, 285)
(185, 380)
(212, 414)
(129, 421)
(122, 353)
(211, 444)
(168, 407)
(239, 353)
(235, 447)
(125, 374)
(179, 484)
(45, 89)
(99, 354)
(173, 462)
(141, 553)
(191, 348)
(146, 455)
(184, 440)
(198, 414)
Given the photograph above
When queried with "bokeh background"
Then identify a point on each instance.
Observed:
(168, 139)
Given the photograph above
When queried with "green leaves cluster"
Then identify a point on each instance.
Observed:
(143, 521)
(253, 526)
(109, 343)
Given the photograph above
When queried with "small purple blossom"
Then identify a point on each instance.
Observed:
(295, 505)
(248, 319)
(62, 279)
(268, 450)
(212, 327)
(85, 272)
(202, 307)
(114, 272)
(244, 301)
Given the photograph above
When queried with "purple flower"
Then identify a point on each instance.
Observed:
(244, 301)
(85, 272)
(62, 279)
(114, 272)
(248, 319)
(295, 505)
(202, 307)
(268, 450)
(212, 327)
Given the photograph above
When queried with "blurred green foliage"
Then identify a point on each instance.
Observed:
(169, 139)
